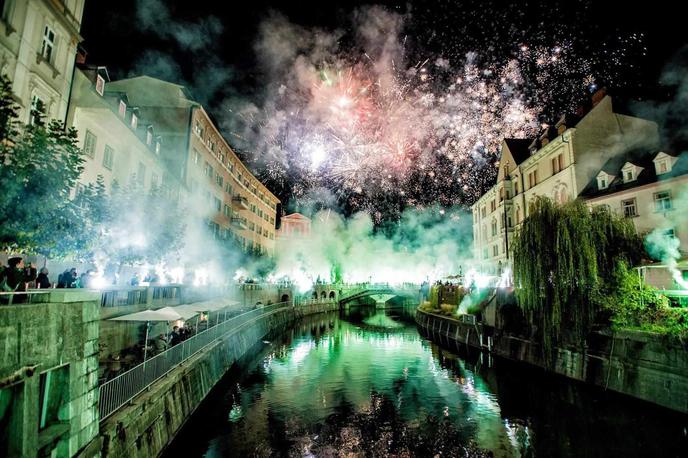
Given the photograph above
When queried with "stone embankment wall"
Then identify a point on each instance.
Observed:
(49, 374)
(639, 364)
(151, 421)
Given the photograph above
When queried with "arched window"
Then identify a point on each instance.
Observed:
(331, 294)
(323, 295)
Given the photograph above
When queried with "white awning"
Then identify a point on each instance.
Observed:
(185, 313)
(164, 314)
(207, 306)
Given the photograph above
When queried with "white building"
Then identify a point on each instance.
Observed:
(649, 187)
(118, 145)
(558, 164)
(38, 44)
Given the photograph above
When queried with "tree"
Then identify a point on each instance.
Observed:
(39, 166)
(565, 257)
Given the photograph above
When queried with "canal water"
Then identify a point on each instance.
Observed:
(366, 383)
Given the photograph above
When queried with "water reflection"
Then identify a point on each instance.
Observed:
(366, 383)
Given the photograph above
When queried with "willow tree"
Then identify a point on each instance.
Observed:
(563, 256)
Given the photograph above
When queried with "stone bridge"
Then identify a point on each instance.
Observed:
(362, 294)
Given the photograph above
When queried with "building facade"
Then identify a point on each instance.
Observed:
(118, 145)
(649, 187)
(222, 189)
(38, 45)
(557, 164)
(294, 226)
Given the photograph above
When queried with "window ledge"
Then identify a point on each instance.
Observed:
(9, 30)
(40, 58)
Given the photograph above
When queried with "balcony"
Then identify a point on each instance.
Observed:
(240, 202)
(239, 223)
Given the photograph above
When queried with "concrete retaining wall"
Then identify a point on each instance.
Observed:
(148, 425)
(639, 364)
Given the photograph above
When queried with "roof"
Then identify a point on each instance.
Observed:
(519, 148)
(640, 158)
(148, 91)
(295, 216)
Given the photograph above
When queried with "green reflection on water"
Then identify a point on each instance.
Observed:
(350, 365)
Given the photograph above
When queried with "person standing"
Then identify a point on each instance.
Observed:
(15, 276)
(42, 281)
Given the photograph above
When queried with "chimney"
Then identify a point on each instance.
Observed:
(598, 96)
(81, 55)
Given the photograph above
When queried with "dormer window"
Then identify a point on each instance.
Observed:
(149, 136)
(157, 146)
(100, 85)
(663, 163)
(603, 181)
(630, 172)
(122, 108)
(134, 121)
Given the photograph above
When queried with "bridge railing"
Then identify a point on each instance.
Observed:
(117, 392)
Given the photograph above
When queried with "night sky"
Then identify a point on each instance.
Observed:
(212, 50)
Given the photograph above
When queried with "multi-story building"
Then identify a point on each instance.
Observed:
(558, 164)
(236, 204)
(119, 145)
(38, 43)
(649, 187)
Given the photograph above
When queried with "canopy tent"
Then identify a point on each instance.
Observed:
(184, 313)
(206, 307)
(163, 314)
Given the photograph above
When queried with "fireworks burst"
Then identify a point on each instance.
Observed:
(383, 132)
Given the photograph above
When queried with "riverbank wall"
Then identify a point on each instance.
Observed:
(150, 422)
(638, 364)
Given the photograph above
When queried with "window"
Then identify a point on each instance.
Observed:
(532, 178)
(53, 402)
(122, 108)
(157, 147)
(602, 182)
(37, 109)
(516, 185)
(251, 226)
(662, 167)
(208, 170)
(48, 45)
(196, 157)
(100, 85)
(108, 157)
(228, 211)
(154, 180)
(629, 208)
(90, 144)
(141, 174)
(228, 188)
(557, 164)
(494, 227)
(219, 180)
(662, 201)
(134, 121)
(495, 250)
(149, 136)
(218, 204)
(493, 206)
(198, 130)
(483, 212)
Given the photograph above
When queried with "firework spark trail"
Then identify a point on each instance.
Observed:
(373, 129)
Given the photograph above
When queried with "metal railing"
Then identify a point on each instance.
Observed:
(124, 296)
(120, 390)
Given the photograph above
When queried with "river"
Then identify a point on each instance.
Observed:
(366, 383)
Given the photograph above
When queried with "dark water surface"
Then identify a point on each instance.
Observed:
(365, 383)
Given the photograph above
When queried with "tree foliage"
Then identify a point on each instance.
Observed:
(563, 257)
(39, 166)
